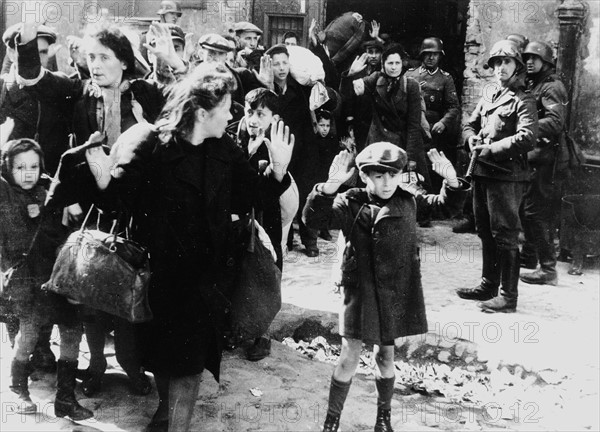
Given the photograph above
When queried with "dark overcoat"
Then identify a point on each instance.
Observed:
(381, 267)
(182, 198)
(509, 121)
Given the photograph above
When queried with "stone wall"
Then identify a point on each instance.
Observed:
(490, 21)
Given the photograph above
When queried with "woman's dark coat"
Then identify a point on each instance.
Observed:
(381, 267)
(182, 198)
(396, 115)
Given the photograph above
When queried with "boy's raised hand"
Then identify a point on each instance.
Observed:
(442, 166)
(280, 148)
(341, 170)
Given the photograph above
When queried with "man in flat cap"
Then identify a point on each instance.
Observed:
(249, 51)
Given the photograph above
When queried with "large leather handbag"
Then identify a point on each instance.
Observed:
(104, 271)
(256, 299)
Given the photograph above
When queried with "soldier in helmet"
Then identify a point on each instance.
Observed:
(169, 12)
(501, 130)
(548, 163)
(439, 92)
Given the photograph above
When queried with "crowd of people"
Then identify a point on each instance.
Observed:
(185, 140)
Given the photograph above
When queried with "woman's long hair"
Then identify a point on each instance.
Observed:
(205, 87)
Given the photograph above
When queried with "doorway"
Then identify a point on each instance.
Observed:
(410, 21)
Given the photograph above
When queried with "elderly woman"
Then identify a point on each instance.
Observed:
(109, 103)
(182, 183)
(396, 103)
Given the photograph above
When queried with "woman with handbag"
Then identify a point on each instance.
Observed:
(110, 102)
(182, 182)
(29, 236)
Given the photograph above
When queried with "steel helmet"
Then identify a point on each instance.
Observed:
(169, 6)
(541, 49)
(433, 45)
(521, 40)
(506, 48)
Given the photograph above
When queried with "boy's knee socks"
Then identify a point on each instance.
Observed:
(338, 391)
(385, 391)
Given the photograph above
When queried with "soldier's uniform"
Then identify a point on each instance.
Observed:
(508, 122)
(549, 166)
(439, 92)
(441, 104)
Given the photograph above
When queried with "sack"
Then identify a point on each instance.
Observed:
(257, 297)
(305, 67)
(105, 272)
(343, 37)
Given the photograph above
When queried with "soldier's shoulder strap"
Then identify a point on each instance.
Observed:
(443, 72)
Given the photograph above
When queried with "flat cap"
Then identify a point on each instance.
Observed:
(176, 32)
(373, 43)
(43, 31)
(245, 26)
(382, 155)
(215, 42)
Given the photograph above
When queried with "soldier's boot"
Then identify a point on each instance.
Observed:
(65, 404)
(529, 256)
(385, 391)
(507, 300)
(545, 274)
(19, 371)
(338, 391)
(490, 276)
(464, 225)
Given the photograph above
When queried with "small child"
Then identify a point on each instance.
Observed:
(29, 237)
(328, 147)
(381, 276)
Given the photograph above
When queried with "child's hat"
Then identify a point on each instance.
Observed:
(383, 155)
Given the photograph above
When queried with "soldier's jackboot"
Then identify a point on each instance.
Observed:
(490, 276)
(507, 300)
(545, 274)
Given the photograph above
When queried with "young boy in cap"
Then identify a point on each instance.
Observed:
(381, 275)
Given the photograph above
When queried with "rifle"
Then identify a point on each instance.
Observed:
(475, 160)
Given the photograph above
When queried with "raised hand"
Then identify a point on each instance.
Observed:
(265, 75)
(442, 166)
(6, 129)
(341, 170)
(28, 32)
(375, 27)
(358, 64)
(163, 47)
(280, 148)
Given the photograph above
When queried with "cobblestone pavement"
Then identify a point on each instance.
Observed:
(540, 364)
